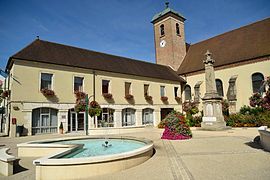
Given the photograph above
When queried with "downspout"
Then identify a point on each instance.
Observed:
(7, 103)
(94, 93)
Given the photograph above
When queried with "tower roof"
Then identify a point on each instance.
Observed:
(167, 11)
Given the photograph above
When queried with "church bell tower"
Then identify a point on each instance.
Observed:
(169, 37)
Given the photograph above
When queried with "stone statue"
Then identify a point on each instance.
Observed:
(213, 118)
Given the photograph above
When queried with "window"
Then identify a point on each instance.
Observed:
(176, 91)
(187, 93)
(44, 120)
(46, 81)
(148, 116)
(105, 119)
(128, 118)
(177, 29)
(127, 88)
(162, 91)
(257, 83)
(219, 86)
(162, 31)
(78, 84)
(146, 90)
(105, 86)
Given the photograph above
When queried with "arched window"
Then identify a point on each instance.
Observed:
(147, 116)
(219, 86)
(128, 117)
(187, 93)
(44, 120)
(162, 31)
(105, 119)
(177, 29)
(257, 82)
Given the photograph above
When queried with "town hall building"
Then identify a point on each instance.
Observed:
(44, 76)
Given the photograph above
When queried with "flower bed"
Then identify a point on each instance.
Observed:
(176, 127)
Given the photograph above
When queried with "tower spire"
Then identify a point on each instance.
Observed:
(167, 4)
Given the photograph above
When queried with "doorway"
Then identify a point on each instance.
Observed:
(76, 121)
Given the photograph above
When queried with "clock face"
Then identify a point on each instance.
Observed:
(162, 43)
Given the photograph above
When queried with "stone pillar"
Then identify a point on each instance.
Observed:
(91, 122)
(138, 117)
(156, 115)
(117, 118)
(213, 118)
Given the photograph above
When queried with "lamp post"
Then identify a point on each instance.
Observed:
(86, 112)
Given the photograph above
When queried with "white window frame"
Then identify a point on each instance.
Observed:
(46, 72)
(74, 82)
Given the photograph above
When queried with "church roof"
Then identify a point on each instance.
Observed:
(166, 11)
(53, 53)
(243, 44)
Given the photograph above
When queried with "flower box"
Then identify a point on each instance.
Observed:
(148, 98)
(80, 95)
(164, 98)
(48, 92)
(5, 94)
(107, 95)
(129, 96)
(178, 99)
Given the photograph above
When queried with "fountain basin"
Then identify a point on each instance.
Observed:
(63, 163)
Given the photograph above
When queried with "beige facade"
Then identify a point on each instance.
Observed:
(26, 95)
(243, 83)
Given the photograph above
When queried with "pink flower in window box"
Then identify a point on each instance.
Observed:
(164, 98)
(80, 94)
(48, 92)
(107, 95)
(148, 98)
(129, 97)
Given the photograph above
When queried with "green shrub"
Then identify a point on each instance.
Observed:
(248, 110)
(264, 119)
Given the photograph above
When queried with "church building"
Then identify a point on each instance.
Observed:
(242, 58)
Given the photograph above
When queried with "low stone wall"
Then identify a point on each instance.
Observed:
(6, 162)
(265, 139)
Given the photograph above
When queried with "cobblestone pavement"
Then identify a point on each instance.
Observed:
(208, 155)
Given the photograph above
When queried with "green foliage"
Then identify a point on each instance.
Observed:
(61, 126)
(194, 121)
(190, 107)
(248, 110)
(177, 123)
(264, 119)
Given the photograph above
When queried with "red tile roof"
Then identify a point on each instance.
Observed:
(246, 43)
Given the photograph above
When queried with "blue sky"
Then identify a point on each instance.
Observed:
(120, 27)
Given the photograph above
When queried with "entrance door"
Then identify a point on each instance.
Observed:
(164, 112)
(77, 121)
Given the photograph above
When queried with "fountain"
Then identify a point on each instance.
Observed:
(85, 157)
